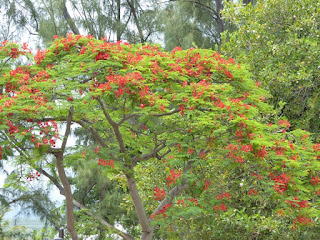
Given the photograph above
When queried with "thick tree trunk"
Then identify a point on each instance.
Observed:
(147, 230)
(118, 20)
(220, 22)
(68, 195)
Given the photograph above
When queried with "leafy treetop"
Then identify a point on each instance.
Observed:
(189, 121)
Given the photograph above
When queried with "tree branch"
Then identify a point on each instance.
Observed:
(68, 129)
(136, 21)
(200, 4)
(174, 191)
(125, 118)
(166, 114)
(102, 221)
(68, 18)
(94, 132)
(114, 125)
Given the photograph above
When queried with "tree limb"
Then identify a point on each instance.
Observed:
(68, 18)
(114, 125)
(136, 21)
(174, 191)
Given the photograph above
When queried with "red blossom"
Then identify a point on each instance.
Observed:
(253, 192)
(1, 152)
(228, 74)
(190, 151)
(33, 176)
(40, 56)
(181, 202)
(258, 84)
(194, 200)
(181, 108)
(284, 123)
(174, 175)
(97, 149)
(106, 162)
(262, 152)
(223, 195)
(258, 176)
(246, 148)
(161, 211)
(206, 185)
(14, 52)
(302, 220)
(220, 207)
(159, 194)
(185, 83)
(281, 182)
(316, 147)
(315, 180)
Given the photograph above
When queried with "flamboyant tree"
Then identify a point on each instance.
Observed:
(187, 135)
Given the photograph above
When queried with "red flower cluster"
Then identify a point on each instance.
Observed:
(40, 56)
(106, 162)
(174, 175)
(190, 151)
(193, 200)
(206, 184)
(221, 207)
(258, 176)
(228, 74)
(296, 203)
(246, 148)
(233, 149)
(159, 194)
(316, 147)
(253, 192)
(161, 211)
(12, 128)
(102, 56)
(302, 220)
(279, 150)
(32, 176)
(284, 123)
(97, 149)
(281, 182)
(223, 195)
(315, 180)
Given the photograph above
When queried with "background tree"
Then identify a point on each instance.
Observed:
(188, 23)
(181, 23)
(131, 20)
(288, 65)
(8, 232)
